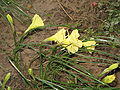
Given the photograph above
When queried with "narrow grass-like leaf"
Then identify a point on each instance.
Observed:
(80, 72)
(51, 84)
(108, 54)
(26, 80)
(81, 80)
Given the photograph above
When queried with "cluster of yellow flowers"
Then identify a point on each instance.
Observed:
(70, 42)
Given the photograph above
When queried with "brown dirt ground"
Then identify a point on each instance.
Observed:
(80, 12)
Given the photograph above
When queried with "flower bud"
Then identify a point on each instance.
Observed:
(9, 18)
(7, 77)
(109, 79)
(30, 71)
(8, 88)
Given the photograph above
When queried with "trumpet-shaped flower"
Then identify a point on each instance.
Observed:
(89, 45)
(71, 43)
(58, 37)
(36, 22)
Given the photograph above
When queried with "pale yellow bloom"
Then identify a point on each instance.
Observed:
(36, 22)
(71, 48)
(72, 43)
(89, 45)
(110, 68)
(58, 37)
(109, 79)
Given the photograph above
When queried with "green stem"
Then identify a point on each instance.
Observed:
(26, 80)
(14, 33)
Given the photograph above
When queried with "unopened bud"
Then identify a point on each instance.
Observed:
(30, 71)
(9, 18)
(8, 88)
(7, 77)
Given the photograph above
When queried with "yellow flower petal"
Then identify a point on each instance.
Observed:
(74, 34)
(58, 37)
(66, 42)
(77, 43)
(89, 44)
(73, 38)
(109, 79)
(36, 22)
(72, 43)
(71, 48)
(91, 47)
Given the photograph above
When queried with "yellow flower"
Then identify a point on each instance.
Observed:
(89, 45)
(110, 68)
(58, 37)
(109, 79)
(36, 22)
(72, 43)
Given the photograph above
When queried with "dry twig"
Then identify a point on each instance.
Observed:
(64, 10)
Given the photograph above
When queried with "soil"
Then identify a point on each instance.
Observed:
(78, 13)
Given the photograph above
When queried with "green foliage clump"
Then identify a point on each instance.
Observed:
(113, 20)
(13, 8)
